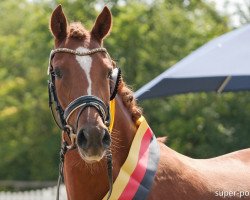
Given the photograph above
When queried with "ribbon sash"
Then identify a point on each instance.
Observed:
(137, 173)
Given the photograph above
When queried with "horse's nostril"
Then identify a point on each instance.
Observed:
(82, 139)
(106, 139)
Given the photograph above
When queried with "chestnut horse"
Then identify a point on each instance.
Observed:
(82, 70)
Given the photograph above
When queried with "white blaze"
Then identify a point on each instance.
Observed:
(85, 63)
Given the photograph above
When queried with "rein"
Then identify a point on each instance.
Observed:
(81, 103)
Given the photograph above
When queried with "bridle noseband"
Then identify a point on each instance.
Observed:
(88, 101)
(81, 103)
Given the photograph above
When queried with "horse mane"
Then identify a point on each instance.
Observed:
(129, 101)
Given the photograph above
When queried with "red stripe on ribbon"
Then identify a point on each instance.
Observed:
(140, 170)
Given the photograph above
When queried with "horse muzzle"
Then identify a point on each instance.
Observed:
(92, 142)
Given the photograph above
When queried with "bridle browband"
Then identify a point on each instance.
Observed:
(81, 103)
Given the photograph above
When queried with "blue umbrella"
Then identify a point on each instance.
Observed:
(221, 65)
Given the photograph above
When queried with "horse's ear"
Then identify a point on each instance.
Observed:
(58, 23)
(102, 24)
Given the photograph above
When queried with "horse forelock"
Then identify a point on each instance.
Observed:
(77, 30)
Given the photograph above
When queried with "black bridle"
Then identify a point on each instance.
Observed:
(81, 103)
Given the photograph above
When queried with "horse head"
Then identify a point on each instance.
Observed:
(84, 78)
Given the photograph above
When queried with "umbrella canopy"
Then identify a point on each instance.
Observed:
(223, 64)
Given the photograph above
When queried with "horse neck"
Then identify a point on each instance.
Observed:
(123, 133)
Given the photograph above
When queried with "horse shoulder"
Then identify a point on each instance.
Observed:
(174, 178)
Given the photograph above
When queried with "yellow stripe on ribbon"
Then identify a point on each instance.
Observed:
(112, 115)
(130, 163)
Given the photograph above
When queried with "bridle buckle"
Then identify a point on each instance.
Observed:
(72, 136)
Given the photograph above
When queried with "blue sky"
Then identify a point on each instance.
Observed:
(228, 6)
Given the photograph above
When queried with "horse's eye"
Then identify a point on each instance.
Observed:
(58, 73)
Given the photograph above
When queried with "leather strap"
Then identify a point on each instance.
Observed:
(87, 101)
